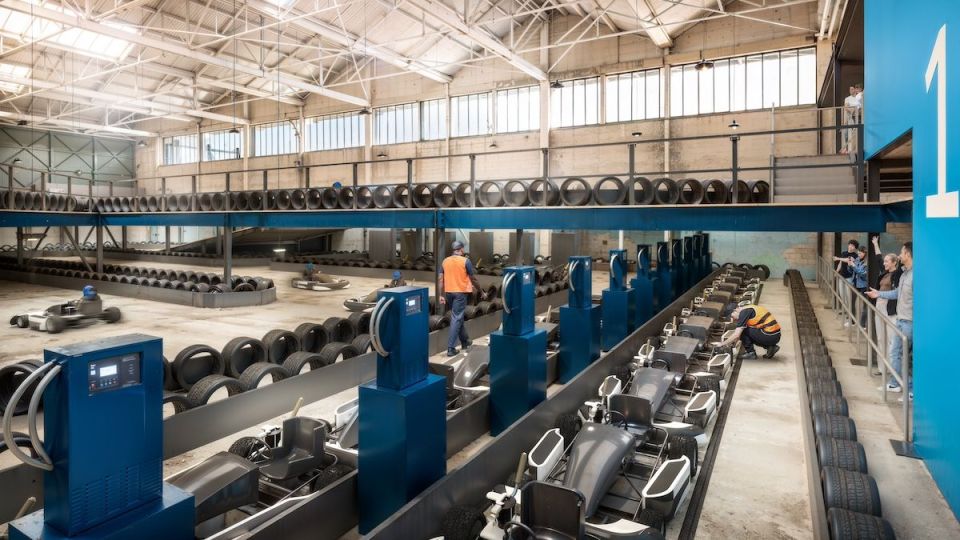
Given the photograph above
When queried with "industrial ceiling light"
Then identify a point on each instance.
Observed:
(17, 160)
(21, 122)
(636, 134)
(141, 143)
(493, 144)
(364, 111)
(77, 172)
(234, 130)
(556, 84)
(703, 65)
(733, 125)
(381, 155)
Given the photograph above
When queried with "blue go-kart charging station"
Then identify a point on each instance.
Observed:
(518, 352)
(579, 322)
(642, 286)
(618, 302)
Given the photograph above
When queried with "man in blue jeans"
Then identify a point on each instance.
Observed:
(903, 294)
(458, 280)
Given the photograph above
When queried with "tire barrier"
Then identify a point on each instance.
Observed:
(303, 361)
(340, 329)
(205, 389)
(401, 196)
(298, 199)
(196, 362)
(575, 192)
(691, 191)
(742, 191)
(337, 352)
(283, 199)
(422, 196)
(242, 352)
(489, 195)
(464, 195)
(850, 494)
(345, 197)
(11, 376)
(361, 320)
(444, 196)
(383, 197)
(715, 192)
(609, 191)
(364, 197)
(540, 189)
(643, 193)
(256, 374)
(314, 199)
(313, 337)
(665, 191)
(516, 193)
(280, 344)
(759, 191)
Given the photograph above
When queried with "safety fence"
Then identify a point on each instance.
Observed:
(873, 331)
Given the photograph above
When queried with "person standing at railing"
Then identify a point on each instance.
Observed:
(846, 271)
(852, 105)
(903, 294)
(858, 266)
(888, 280)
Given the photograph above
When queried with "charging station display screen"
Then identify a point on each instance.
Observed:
(113, 373)
(413, 305)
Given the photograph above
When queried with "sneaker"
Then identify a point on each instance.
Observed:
(846, 324)
(749, 355)
(891, 387)
(451, 352)
(772, 350)
(900, 399)
(466, 345)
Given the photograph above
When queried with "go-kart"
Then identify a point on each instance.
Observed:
(238, 490)
(364, 303)
(319, 281)
(57, 318)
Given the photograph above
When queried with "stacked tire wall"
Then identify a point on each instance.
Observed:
(850, 494)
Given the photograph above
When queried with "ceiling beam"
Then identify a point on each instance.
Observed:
(73, 124)
(351, 42)
(182, 50)
(450, 18)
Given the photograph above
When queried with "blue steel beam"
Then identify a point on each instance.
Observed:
(778, 217)
(899, 212)
(19, 218)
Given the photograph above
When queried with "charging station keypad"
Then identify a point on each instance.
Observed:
(113, 373)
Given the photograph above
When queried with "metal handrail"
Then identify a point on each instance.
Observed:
(849, 303)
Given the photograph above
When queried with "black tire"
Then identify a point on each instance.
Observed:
(241, 353)
(847, 525)
(764, 271)
(280, 344)
(824, 387)
(462, 523)
(829, 405)
(334, 351)
(820, 372)
(56, 324)
(433, 323)
(837, 427)
(684, 445)
(169, 382)
(471, 312)
(842, 454)
(362, 343)
(485, 308)
(653, 518)
(330, 475)
(196, 362)
(312, 336)
(248, 447)
(850, 490)
(707, 383)
(296, 362)
(205, 388)
(111, 315)
(340, 329)
(361, 320)
(256, 373)
(569, 425)
(180, 402)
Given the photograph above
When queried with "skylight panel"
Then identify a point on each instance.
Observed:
(26, 29)
(13, 72)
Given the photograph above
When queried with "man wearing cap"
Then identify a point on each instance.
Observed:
(397, 280)
(458, 279)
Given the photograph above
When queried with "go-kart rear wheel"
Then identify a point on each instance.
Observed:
(569, 425)
(462, 523)
(330, 475)
(56, 324)
(652, 518)
(684, 445)
(249, 448)
(111, 315)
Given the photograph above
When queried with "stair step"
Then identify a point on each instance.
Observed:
(815, 160)
(813, 190)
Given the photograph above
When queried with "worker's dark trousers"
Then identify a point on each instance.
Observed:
(457, 303)
(761, 338)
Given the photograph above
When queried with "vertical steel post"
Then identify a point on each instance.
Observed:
(19, 246)
(10, 186)
(69, 186)
(734, 167)
(473, 180)
(356, 179)
(546, 175)
(438, 251)
(519, 247)
(99, 244)
(873, 181)
(409, 183)
(123, 237)
(43, 191)
(860, 170)
(227, 248)
(163, 194)
(306, 176)
(218, 243)
(632, 164)
(266, 180)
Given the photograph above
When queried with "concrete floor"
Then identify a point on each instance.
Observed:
(758, 488)
(909, 497)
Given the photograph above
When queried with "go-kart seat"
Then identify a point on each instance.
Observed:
(222, 482)
(552, 512)
(301, 449)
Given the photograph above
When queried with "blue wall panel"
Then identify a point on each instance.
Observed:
(900, 40)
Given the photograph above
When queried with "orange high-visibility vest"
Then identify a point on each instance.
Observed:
(455, 278)
(763, 320)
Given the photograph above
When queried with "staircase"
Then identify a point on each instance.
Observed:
(823, 184)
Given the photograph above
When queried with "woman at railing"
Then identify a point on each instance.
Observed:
(888, 280)
(903, 294)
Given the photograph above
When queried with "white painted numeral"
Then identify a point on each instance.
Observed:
(944, 204)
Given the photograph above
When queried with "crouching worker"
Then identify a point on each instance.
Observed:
(755, 325)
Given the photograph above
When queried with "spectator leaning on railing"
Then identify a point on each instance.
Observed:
(846, 271)
(888, 280)
(903, 294)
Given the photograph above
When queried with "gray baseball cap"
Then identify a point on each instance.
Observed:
(456, 245)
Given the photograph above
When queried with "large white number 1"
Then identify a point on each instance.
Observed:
(944, 204)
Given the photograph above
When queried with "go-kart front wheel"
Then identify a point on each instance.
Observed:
(20, 321)
(111, 315)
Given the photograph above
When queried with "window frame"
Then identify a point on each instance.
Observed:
(203, 146)
(253, 138)
(574, 89)
(343, 123)
(196, 149)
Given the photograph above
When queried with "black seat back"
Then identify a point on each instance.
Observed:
(553, 512)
